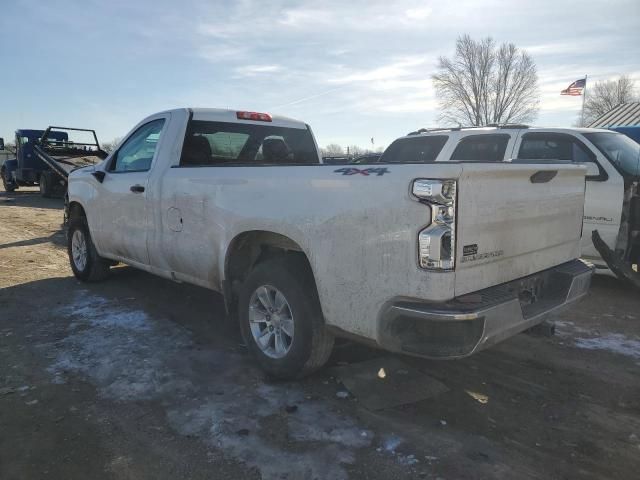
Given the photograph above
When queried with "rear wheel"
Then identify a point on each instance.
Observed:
(86, 264)
(45, 184)
(281, 319)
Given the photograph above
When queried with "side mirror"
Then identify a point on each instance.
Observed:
(1, 143)
(99, 175)
(592, 169)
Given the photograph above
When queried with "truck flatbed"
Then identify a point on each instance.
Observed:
(63, 156)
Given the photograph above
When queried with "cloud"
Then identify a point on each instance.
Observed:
(301, 17)
(215, 30)
(400, 68)
(418, 13)
(254, 70)
(221, 52)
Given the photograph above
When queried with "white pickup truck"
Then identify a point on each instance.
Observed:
(437, 260)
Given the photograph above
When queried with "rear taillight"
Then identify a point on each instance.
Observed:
(256, 116)
(437, 242)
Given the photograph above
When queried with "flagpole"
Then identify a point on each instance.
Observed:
(584, 96)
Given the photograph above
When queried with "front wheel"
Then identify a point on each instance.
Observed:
(281, 319)
(86, 264)
(8, 186)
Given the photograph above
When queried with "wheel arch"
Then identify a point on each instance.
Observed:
(76, 209)
(249, 248)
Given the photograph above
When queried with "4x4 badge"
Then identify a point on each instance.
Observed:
(378, 171)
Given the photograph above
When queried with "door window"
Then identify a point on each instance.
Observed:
(481, 148)
(553, 146)
(557, 146)
(136, 153)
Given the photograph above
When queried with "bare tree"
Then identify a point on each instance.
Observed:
(607, 95)
(484, 83)
(110, 146)
(355, 150)
(332, 150)
(10, 147)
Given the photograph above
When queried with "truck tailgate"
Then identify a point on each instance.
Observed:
(515, 220)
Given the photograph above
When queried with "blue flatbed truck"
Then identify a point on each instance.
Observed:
(46, 157)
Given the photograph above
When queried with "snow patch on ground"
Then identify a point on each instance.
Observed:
(568, 329)
(390, 444)
(217, 396)
(611, 342)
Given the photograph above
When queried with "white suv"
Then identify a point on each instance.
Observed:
(612, 200)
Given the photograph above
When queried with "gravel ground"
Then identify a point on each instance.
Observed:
(139, 377)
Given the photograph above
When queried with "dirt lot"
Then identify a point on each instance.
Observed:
(139, 377)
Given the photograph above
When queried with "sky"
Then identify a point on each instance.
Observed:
(352, 70)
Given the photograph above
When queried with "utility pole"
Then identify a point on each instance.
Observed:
(584, 96)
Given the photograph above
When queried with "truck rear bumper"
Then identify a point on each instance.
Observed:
(476, 321)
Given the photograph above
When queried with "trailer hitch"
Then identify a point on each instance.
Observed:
(617, 265)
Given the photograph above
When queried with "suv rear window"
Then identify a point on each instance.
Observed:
(223, 143)
(481, 148)
(418, 149)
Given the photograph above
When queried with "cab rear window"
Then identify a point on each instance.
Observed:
(418, 149)
(224, 143)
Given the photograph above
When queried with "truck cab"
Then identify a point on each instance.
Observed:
(26, 168)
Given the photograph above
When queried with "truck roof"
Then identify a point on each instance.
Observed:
(230, 115)
(29, 132)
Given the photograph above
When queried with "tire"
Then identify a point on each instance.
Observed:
(8, 187)
(93, 268)
(45, 183)
(310, 344)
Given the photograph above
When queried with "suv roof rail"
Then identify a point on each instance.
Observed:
(508, 125)
(457, 129)
(436, 129)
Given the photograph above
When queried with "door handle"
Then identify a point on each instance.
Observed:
(137, 188)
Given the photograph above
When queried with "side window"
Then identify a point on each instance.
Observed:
(136, 153)
(417, 149)
(547, 146)
(481, 148)
(209, 143)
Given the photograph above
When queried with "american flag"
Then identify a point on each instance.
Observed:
(576, 88)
